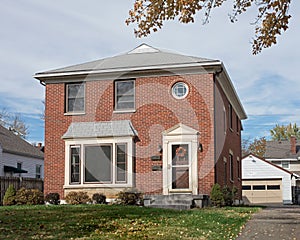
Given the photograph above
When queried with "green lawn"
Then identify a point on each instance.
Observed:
(120, 222)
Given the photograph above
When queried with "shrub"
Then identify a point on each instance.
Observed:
(228, 196)
(52, 198)
(29, 197)
(216, 195)
(99, 198)
(9, 197)
(77, 198)
(129, 197)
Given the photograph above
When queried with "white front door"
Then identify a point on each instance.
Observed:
(179, 167)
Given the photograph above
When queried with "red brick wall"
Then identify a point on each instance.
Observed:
(156, 111)
(232, 143)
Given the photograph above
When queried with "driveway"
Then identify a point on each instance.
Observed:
(274, 222)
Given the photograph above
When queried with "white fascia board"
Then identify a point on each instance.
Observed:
(282, 159)
(231, 94)
(125, 70)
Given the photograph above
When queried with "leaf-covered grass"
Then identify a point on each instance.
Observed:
(120, 222)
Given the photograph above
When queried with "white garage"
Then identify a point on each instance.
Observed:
(264, 182)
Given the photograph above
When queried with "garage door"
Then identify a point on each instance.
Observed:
(263, 191)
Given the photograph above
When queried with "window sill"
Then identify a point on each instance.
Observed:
(98, 185)
(74, 113)
(125, 111)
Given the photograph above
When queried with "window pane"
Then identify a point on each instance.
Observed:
(273, 187)
(121, 162)
(125, 87)
(246, 187)
(98, 163)
(259, 187)
(75, 164)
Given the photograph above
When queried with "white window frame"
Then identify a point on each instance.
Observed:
(70, 173)
(116, 96)
(174, 92)
(67, 111)
(97, 142)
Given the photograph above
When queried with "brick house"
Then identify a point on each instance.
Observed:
(161, 122)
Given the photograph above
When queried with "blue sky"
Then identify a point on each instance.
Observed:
(41, 35)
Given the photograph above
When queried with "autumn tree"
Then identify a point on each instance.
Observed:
(14, 122)
(271, 20)
(257, 146)
(282, 132)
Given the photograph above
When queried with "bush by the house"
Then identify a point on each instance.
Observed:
(216, 195)
(77, 198)
(29, 197)
(228, 196)
(9, 197)
(52, 198)
(129, 197)
(223, 197)
(99, 198)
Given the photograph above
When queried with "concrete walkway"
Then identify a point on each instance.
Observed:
(274, 222)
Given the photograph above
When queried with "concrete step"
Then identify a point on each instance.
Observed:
(176, 201)
(174, 206)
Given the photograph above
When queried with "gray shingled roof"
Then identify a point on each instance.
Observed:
(10, 143)
(134, 59)
(280, 150)
(100, 129)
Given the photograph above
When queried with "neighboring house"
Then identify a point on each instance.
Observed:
(264, 182)
(161, 122)
(285, 154)
(18, 157)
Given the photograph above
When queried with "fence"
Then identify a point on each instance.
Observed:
(19, 182)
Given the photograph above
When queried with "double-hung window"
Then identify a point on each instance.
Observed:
(231, 166)
(124, 95)
(75, 97)
(230, 116)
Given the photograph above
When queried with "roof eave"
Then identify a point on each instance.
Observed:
(120, 71)
(231, 94)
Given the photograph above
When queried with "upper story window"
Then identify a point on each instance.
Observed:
(230, 116)
(180, 90)
(75, 97)
(124, 95)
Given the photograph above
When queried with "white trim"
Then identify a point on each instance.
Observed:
(173, 88)
(180, 134)
(125, 70)
(94, 141)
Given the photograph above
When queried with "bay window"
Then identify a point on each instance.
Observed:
(92, 163)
